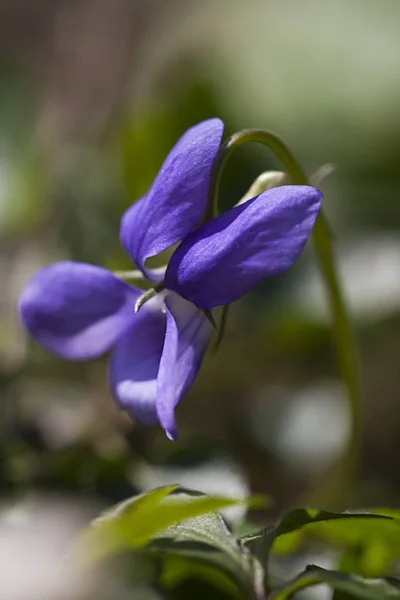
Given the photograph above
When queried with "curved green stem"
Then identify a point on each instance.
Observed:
(347, 359)
(345, 343)
(231, 144)
(147, 295)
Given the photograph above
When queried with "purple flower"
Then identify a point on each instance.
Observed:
(80, 311)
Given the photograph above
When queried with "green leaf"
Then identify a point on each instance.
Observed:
(135, 522)
(375, 542)
(353, 586)
(207, 539)
(183, 578)
(108, 534)
(286, 535)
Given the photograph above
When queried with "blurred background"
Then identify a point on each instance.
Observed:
(93, 94)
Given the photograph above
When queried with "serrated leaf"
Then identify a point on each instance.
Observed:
(375, 541)
(352, 585)
(382, 534)
(296, 523)
(135, 522)
(207, 539)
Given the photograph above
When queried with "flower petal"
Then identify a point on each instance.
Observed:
(226, 257)
(188, 333)
(177, 198)
(76, 310)
(135, 362)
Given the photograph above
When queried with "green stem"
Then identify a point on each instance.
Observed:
(147, 295)
(231, 144)
(130, 275)
(346, 349)
(347, 359)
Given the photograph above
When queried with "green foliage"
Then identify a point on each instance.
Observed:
(137, 521)
(369, 540)
(352, 586)
(287, 534)
(181, 532)
(207, 539)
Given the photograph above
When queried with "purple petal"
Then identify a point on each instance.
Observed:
(226, 257)
(188, 333)
(77, 310)
(177, 198)
(135, 362)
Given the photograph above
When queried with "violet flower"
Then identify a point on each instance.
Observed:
(80, 311)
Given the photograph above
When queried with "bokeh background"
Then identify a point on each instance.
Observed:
(93, 94)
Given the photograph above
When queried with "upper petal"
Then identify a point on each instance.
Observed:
(187, 336)
(226, 257)
(76, 310)
(177, 198)
(135, 363)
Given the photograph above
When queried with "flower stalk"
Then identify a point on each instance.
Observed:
(347, 356)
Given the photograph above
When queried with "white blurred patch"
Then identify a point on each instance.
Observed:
(62, 411)
(306, 428)
(35, 542)
(215, 477)
(370, 272)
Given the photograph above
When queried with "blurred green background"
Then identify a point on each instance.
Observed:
(92, 96)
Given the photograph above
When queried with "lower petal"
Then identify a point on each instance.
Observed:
(135, 362)
(77, 310)
(187, 336)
